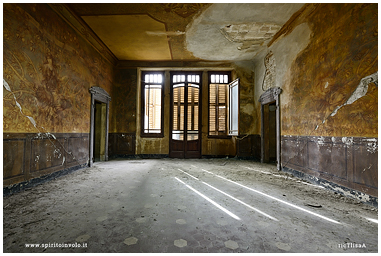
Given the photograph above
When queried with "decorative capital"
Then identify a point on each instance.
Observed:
(270, 95)
(98, 91)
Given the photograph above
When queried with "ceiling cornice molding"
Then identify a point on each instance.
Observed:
(83, 29)
(295, 20)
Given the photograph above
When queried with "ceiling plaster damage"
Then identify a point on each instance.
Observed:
(225, 32)
(251, 36)
(234, 32)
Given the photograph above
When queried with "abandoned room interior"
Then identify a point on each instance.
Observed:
(190, 127)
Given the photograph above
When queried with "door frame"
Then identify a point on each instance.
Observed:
(200, 73)
(270, 96)
(98, 94)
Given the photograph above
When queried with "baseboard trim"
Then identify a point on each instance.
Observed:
(16, 188)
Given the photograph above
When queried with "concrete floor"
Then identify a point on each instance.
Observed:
(172, 205)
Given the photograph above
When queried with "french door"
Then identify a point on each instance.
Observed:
(185, 131)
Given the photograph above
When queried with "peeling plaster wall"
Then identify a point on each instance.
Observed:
(327, 69)
(47, 71)
(326, 73)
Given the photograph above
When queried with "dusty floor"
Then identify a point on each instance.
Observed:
(172, 205)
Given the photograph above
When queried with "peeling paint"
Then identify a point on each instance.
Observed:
(360, 91)
(347, 140)
(320, 141)
(372, 146)
(57, 153)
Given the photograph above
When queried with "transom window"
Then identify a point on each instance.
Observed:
(152, 104)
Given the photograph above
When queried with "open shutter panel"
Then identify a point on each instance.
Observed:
(234, 107)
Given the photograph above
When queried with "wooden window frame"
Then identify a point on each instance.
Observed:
(142, 101)
(225, 135)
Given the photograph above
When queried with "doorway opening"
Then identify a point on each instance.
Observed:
(99, 116)
(269, 133)
(270, 126)
(99, 131)
(185, 121)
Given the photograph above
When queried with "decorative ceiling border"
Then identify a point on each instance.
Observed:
(83, 29)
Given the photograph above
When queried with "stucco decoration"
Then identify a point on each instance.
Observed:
(270, 95)
(49, 69)
(269, 78)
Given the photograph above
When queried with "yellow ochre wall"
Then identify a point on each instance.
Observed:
(49, 68)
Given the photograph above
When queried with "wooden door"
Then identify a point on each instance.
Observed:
(185, 132)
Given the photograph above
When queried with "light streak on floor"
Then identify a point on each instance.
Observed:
(276, 199)
(188, 174)
(372, 220)
(236, 199)
(245, 204)
(210, 200)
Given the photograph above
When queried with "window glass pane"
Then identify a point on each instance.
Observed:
(151, 101)
(234, 107)
(213, 79)
(217, 79)
(197, 78)
(152, 109)
(226, 79)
